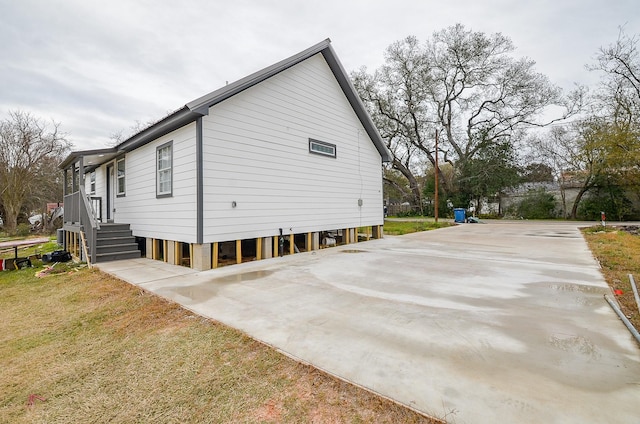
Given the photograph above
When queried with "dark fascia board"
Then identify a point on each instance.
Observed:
(200, 106)
(355, 101)
(74, 156)
(203, 103)
(178, 119)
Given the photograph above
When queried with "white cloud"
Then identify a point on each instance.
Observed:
(98, 67)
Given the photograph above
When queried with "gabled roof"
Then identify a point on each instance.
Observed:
(200, 106)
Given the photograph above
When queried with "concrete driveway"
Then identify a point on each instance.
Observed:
(479, 323)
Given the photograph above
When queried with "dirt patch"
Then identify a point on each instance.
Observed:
(631, 229)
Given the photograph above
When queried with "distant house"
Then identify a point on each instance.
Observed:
(287, 154)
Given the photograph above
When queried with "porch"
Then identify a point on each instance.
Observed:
(86, 234)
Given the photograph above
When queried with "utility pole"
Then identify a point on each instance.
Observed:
(436, 180)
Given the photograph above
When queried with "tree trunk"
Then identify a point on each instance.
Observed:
(574, 208)
(563, 196)
(413, 183)
(10, 221)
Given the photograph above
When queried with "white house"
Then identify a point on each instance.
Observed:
(288, 153)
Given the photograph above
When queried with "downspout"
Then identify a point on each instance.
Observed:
(635, 290)
(80, 184)
(199, 183)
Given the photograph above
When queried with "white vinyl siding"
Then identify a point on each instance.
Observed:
(169, 218)
(257, 154)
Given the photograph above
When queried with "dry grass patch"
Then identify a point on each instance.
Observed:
(100, 350)
(619, 255)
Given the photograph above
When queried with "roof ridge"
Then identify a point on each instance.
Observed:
(200, 107)
(205, 102)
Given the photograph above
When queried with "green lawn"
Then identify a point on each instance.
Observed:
(397, 228)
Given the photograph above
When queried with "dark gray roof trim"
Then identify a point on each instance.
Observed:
(172, 122)
(202, 104)
(73, 156)
(356, 103)
(200, 107)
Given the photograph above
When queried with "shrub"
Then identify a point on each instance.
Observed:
(612, 201)
(23, 230)
(538, 204)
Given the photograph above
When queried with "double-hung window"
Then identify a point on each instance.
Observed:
(164, 170)
(92, 179)
(120, 168)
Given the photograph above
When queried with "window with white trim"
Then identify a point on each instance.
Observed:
(120, 172)
(164, 170)
(92, 180)
(322, 148)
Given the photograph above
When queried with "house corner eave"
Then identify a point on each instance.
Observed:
(172, 122)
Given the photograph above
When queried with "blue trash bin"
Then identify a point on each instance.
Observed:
(459, 215)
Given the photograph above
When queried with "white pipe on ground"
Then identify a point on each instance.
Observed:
(624, 319)
(635, 290)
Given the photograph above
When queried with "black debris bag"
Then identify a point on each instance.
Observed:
(57, 256)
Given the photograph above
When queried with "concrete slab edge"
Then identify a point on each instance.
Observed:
(283, 352)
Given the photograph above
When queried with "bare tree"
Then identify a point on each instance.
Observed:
(466, 84)
(620, 88)
(138, 126)
(30, 150)
(577, 153)
(618, 102)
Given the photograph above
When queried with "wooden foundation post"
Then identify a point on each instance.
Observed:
(275, 246)
(214, 256)
(309, 245)
(259, 248)
(291, 244)
(238, 251)
(154, 249)
(175, 253)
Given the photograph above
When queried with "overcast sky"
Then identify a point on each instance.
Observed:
(98, 66)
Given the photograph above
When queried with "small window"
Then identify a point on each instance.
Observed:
(120, 176)
(92, 179)
(164, 170)
(322, 148)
